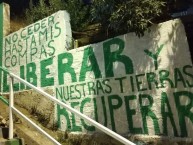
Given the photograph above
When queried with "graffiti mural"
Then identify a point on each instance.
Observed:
(128, 84)
(29, 51)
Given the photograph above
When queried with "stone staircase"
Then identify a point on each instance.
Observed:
(22, 129)
(4, 134)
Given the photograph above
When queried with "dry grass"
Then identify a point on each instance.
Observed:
(16, 24)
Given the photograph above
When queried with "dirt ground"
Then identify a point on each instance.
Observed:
(23, 129)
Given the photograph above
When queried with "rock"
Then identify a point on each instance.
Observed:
(4, 122)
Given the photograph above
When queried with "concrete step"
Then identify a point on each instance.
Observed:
(24, 130)
(14, 141)
(2, 140)
(4, 134)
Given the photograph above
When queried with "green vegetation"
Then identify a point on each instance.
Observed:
(115, 16)
(42, 118)
(79, 13)
(125, 16)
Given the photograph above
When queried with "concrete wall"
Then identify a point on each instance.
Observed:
(129, 84)
(28, 52)
(6, 19)
(32, 49)
(4, 28)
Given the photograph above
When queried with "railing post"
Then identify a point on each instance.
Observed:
(11, 99)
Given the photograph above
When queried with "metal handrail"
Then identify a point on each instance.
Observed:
(29, 121)
(52, 98)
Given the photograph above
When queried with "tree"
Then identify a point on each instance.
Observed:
(117, 16)
(127, 15)
(79, 13)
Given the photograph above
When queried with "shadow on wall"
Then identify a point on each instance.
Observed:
(134, 110)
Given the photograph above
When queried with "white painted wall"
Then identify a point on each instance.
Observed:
(129, 84)
(123, 108)
(44, 40)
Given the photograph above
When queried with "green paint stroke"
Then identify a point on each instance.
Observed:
(167, 115)
(87, 127)
(184, 111)
(130, 113)
(154, 56)
(113, 107)
(1, 39)
(146, 111)
(116, 56)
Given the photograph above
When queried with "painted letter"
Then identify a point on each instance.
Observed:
(147, 112)
(114, 107)
(111, 57)
(93, 66)
(65, 67)
(154, 56)
(46, 71)
(184, 110)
